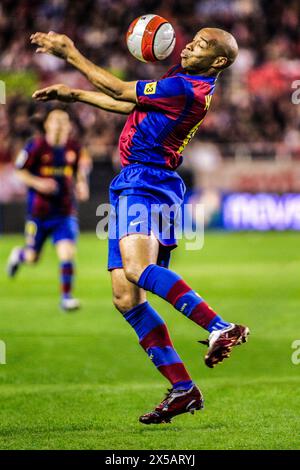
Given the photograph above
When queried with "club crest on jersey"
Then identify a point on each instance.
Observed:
(150, 88)
(70, 156)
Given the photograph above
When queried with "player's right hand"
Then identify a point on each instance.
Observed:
(54, 92)
(53, 43)
(46, 186)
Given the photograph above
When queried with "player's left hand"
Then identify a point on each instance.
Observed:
(54, 92)
(53, 43)
(82, 191)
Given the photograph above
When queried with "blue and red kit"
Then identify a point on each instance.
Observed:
(53, 214)
(167, 116)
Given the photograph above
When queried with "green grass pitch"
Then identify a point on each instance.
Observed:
(81, 381)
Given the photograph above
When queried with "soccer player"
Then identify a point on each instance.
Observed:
(51, 168)
(163, 117)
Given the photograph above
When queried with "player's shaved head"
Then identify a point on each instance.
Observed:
(223, 43)
(211, 51)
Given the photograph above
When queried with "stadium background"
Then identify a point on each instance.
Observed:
(243, 164)
(250, 141)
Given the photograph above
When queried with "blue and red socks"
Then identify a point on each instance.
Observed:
(170, 287)
(66, 278)
(155, 340)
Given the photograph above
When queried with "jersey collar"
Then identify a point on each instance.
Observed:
(202, 78)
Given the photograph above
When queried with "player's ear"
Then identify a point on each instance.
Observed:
(220, 62)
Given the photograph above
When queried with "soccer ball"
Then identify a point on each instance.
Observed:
(150, 38)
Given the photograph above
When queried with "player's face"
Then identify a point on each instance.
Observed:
(199, 54)
(57, 127)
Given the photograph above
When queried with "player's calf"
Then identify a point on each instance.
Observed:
(31, 256)
(68, 302)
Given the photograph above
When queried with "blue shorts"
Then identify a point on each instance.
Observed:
(59, 228)
(144, 199)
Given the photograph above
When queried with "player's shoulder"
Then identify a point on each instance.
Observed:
(34, 143)
(173, 71)
(200, 87)
(33, 148)
(201, 82)
(179, 79)
(175, 84)
(28, 155)
(172, 82)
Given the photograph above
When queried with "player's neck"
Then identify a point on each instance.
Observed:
(204, 73)
(56, 141)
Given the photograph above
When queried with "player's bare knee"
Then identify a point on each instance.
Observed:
(123, 302)
(31, 256)
(65, 250)
(133, 272)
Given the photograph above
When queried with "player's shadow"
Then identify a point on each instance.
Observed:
(176, 428)
(161, 428)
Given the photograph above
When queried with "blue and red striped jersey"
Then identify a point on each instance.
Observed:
(59, 163)
(167, 116)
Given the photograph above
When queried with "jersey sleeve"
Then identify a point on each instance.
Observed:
(26, 158)
(167, 94)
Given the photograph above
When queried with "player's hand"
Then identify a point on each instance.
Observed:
(54, 92)
(82, 191)
(53, 43)
(46, 186)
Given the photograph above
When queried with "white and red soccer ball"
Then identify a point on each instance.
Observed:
(150, 38)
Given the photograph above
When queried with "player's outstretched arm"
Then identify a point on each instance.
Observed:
(42, 185)
(94, 98)
(62, 46)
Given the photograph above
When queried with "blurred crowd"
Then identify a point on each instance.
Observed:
(252, 115)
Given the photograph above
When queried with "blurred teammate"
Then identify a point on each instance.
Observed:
(52, 169)
(164, 116)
